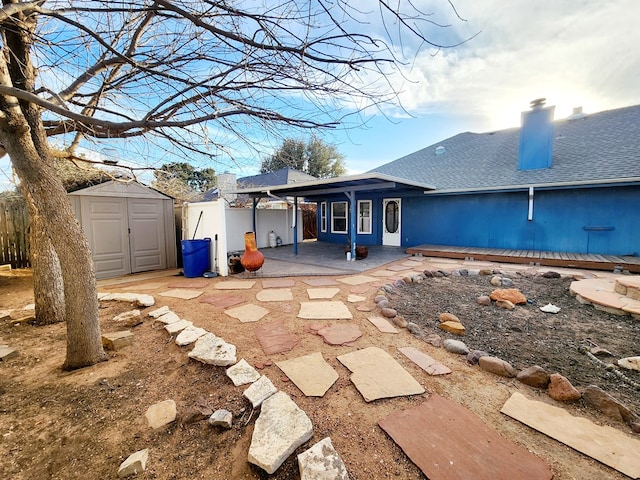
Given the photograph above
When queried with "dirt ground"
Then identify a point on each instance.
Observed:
(83, 424)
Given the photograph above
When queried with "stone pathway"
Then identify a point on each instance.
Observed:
(282, 426)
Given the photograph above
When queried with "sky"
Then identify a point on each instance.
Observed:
(575, 53)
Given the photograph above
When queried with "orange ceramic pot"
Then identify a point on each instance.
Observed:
(252, 259)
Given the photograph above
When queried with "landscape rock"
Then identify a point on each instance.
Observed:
(601, 352)
(195, 414)
(134, 464)
(383, 303)
(7, 353)
(448, 317)
(176, 327)
(141, 299)
(630, 363)
(534, 376)
(453, 327)
(221, 418)
(259, 391)
(399, 321)
(551, 274)
(322, 462)
(513, 295)
(127, 315)
(433, 339)
(388, 312)
(602, 401)
(242, 373)
(414, 329)
(506, 282)
(550, 308)
(281, 428)
(496, 281)
(161, 413)
(213, 350)
(497, 366)
(635, 426)
(506, 304)
(474, 356)
(483, 300)
(561, 389)
(158, 312)
(455, 346)
(168, 318)
(379, 298)
(189, 335)
(117, 340)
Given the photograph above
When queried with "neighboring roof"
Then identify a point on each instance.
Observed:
(279, 177)
(598, 148)
(114, 188)
(329, 186)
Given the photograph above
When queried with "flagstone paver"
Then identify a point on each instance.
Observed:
(319, 293)
(384, 273)
(275, 338)
(356, 279)
(383, 324)
(324, 311)
(277, 282)
(275, 295)
(351, 298)
(235, 285)
(310, 373)
(360, 289)
(146, 286)
(320, 282)
(184, 294)
(189, 283)
(424, 361)
(377, 375)
(337, 333)
(247, 313)
(222, 300)
(398, 268)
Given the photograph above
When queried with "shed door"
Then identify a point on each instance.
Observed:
(104, 220)
(391, 222)
(147, 235)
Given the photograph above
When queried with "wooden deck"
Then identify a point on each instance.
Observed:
(534, 257)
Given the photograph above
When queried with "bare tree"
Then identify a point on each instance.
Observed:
(185, 75)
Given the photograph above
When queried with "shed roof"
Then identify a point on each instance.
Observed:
(114, 188)
(283, 176)
(598, 148)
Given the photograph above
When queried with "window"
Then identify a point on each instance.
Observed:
(339, 217)
(364, 216)
(323, 217)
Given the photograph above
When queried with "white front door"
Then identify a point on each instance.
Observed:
(391, 222)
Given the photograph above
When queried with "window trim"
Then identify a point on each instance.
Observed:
(334, 217)
(360, 217)
(323, 217)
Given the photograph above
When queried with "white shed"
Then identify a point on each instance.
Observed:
(130, 227)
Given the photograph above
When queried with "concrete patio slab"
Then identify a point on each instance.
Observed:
(319, 293)
(275, 295)
(247, 313)
(449, 442)
(310, 373)
(606, 444)
(324, 311)
(377, 375)
(235, 284)
(184, 294)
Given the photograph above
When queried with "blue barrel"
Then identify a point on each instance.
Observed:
(196, 258)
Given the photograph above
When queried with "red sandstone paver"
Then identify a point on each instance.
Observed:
(189, 283)
(449, 442)
(275, 338)
(222, 301)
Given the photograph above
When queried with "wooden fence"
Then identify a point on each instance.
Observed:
(14, 233)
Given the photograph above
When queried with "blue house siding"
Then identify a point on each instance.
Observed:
(586, 220)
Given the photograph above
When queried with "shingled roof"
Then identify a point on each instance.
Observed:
(283, 176)
(598, 148)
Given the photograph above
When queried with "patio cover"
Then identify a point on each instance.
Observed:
(349, 185)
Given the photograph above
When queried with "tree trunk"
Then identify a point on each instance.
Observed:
(48, 289)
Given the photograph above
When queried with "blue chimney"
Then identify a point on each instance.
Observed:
(536, 137)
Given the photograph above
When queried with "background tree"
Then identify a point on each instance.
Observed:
(186, 76)
(315, 157)
(183, 181)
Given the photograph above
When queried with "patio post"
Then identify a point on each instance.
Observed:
(295, 225)
(352, 222)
